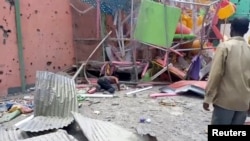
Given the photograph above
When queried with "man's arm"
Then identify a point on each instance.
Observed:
(116, 81)
(215, 75)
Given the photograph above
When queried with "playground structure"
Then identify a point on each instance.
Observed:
(153, 40)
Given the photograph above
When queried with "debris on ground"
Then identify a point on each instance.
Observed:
(157, 66)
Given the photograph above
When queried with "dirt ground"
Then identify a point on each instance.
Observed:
(181, 118)
(184, 121)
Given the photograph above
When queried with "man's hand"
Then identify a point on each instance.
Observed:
(206, 106)
(117, 83)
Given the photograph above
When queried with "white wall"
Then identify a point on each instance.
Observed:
(227, 31)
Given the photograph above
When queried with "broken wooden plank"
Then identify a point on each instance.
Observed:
(84, 63)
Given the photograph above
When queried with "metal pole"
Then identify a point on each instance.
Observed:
(131, 36)
(20, 45)
(98, 12)
(165, 27)
(103, 31)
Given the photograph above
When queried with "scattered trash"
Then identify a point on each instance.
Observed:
(124, 87)
(3, 107)
(79, 105)
(206, 131)
(28, 97)
(12, 108)
(9, 116)
(23, 109)
(81, 98)
(167, 103)
(97, 112)
(93, 102)
(145, 120)
(155, 95)
(32, 88)
(115, 104)
(92, 90)
(148, 120)
(81, 91)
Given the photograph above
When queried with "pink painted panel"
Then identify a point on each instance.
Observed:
(47, 36)
(47, 40)
(9, 67)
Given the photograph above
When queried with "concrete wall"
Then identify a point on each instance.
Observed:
(47, 40)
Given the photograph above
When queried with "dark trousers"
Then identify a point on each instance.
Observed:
(106, 85)
(223, 116)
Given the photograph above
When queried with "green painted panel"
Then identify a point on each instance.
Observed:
(150, 27)
(243, 8)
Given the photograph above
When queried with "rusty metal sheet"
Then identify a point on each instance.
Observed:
(97, 130)
(59, 135)
(54, 100)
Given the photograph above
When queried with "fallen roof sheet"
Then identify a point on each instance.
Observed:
(191, 88)
(55, 98)
(59, 135)
(41, 123)
(184, 87)
(12, 135)
(97, 130)
(182, 83)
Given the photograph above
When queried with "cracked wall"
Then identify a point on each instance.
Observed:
(47, 40)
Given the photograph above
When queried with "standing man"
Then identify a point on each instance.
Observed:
(228, 87)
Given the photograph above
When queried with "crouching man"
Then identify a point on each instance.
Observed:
(106, 83)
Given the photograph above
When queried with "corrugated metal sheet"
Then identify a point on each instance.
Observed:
(96, 130)
(60, 135)
(182, 83)
(41, 123)
(191, 88)
(12, 135)
(18, 135)
(55, 98)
